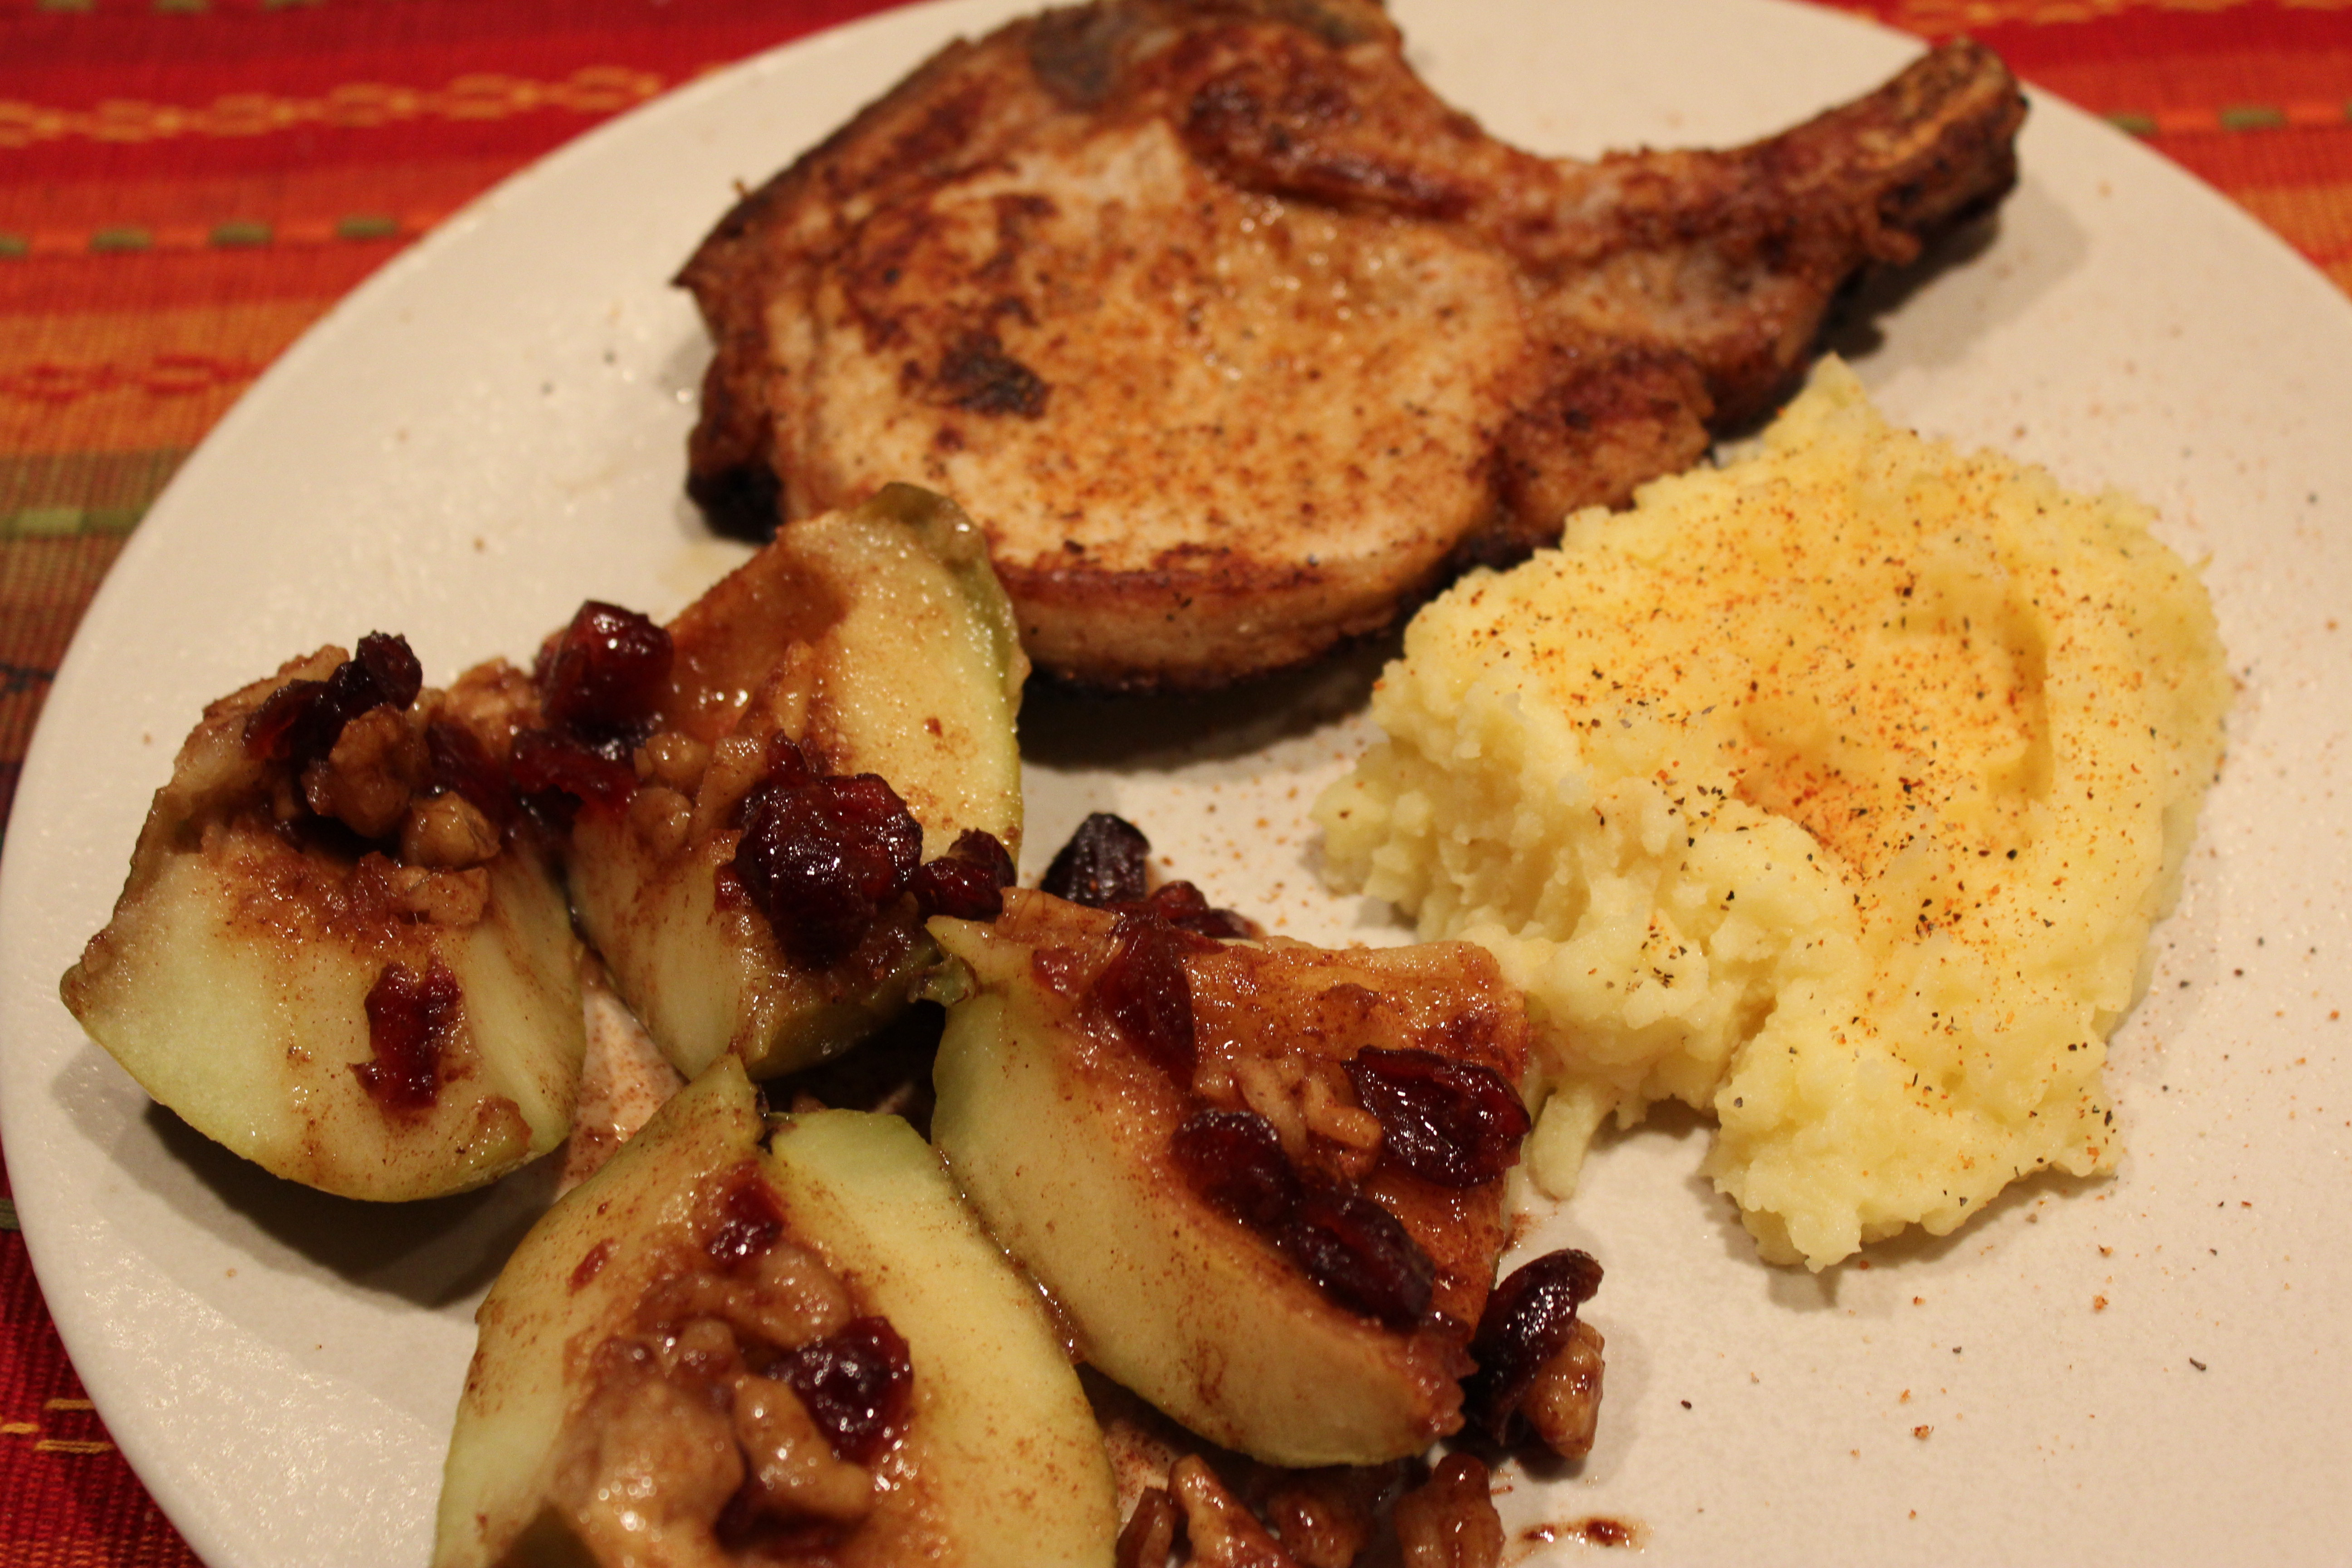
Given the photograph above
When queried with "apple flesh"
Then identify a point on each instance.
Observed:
(997, 1461)
(1059, 1131)
(233, 981)
(879, 638)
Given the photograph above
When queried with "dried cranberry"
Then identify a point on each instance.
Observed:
(1356, 1252)
(1233, 1159)
(460, 763)
(822, 858)
(856, 1386)
(411, 1020)
(383, 673)
(1102, 865)
(985, 850)
(968, 882)
(1360, 1256)
(1455, 1123)
(1185, 906)
(394, 674)
(750, 1222)
(1528, 1318)
(1147, 995)
(605, 681)
(554, 775)
(288, 720)
(301, 721)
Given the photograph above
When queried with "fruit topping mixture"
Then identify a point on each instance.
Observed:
(1283, 1112)
(600, 682)
(1188, 1509)
(1260, 1183)
(821, 858)
(739, 1415)
(824, 858)
(341, 950)
(750, 790)
(1538, 1364)
(752, 1340)
(365, 765)
(1352, 1248)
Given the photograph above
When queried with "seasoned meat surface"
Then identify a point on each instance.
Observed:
(1237, 340)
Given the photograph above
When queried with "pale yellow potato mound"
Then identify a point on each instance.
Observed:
(1833, 792)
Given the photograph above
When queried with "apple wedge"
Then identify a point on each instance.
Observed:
(639, 1392)
(877, 640)
(339, 953)
(1201, 1151)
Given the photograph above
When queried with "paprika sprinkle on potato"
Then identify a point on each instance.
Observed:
(1833, 791)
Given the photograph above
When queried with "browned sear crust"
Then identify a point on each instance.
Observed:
(1237, 340)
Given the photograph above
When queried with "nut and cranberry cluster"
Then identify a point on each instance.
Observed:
(1303, 1144)
(600, 682)
(826, 860)
(370, 762)
(369, 765)
(745, 1413)
(1283, 1140)
(1538, 1364)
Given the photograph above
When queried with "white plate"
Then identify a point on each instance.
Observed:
(2149, 1368)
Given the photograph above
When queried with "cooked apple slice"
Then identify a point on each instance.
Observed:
(877, 639)
(1262, 1182)
(338, 952)
(710, 1351)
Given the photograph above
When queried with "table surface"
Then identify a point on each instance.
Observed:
(186, 186)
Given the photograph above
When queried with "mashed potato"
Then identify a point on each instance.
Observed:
(1833, 792)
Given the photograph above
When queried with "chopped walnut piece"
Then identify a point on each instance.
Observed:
(453, 899)
(702, 1349)
(1222, 1533)
(644, 1466)
(1269, 1085)
(382, 887)
(1334, 1115)
(793, 1467)
(672, 761)
(448, 833)
(1449, 1521)
(661, 818)
(1563, 1404)
(788, 1298)
(703, 1425)
(736, 764)
(1326, 1517)
(494, 700)
(1150, 1533)
(365, 782)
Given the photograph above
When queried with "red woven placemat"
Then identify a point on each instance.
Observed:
(186, 184)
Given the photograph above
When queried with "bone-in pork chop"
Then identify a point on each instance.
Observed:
(1236, 339)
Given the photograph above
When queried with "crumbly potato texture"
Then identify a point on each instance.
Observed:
(1833, 791)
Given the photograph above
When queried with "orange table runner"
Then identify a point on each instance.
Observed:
(186, 184)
